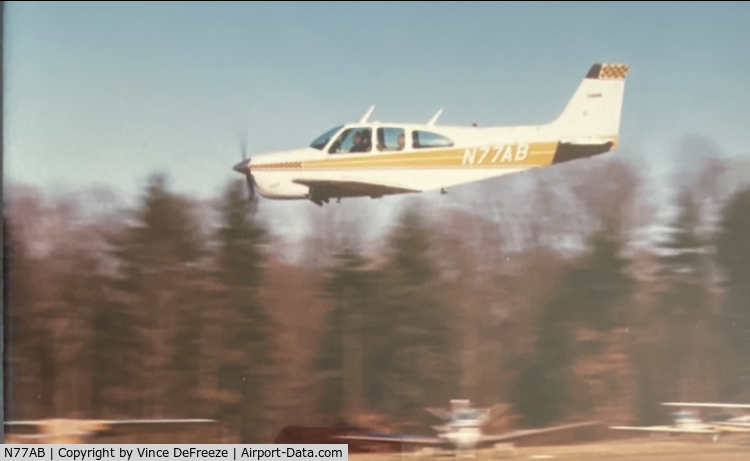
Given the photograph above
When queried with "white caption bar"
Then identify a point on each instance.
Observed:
(153, 452)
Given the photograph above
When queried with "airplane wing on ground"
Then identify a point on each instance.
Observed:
(111, 422)
(734, 426)
(394, 438)
(439, 413)
(323, 189)
(707, 405)
(665, 429)
(529, 432)
(498, 410)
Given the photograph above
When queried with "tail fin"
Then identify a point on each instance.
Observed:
(593, 113)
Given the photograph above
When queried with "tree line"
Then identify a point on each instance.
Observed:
(552, 292)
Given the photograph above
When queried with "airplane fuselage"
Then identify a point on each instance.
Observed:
(476, 154)
(378, 158)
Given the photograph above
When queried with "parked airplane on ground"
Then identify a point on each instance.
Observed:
(689, 422)
(733, 416)
(376, 158)
(78, 430)
(462, 430)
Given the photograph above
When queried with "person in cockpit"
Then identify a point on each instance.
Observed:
(361, 142)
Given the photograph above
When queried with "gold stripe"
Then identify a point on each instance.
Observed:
(534, 154)
(500, 156)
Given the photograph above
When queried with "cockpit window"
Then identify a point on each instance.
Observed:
(323, 139)
(353, 140)
(425, 139)
(391, 139)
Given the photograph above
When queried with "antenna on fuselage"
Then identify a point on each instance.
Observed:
(367, 114)
(434, 118)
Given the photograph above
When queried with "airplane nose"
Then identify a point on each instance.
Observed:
(242, 167)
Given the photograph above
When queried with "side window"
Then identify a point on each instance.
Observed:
(425, 139)
(391, 139)
(353, 140)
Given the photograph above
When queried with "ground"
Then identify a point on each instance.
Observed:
(630, 450)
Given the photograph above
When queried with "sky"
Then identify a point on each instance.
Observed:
(103, 94)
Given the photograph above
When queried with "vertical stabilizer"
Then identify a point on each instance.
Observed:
(593, 113)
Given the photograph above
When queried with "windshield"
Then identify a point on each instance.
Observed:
(323, 139)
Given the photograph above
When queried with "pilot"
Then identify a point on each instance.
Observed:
(360, 142)
(401, 141)
(356, 142)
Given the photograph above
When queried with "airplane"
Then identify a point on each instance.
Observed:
(688, 422)
(728, 419)
(376, 158)
(77, 430)
(462, 429)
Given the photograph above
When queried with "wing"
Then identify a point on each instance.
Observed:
(439, 413)
(394, 438)
(733, 426)
(529, 432)
(113, 422)
(159, 421)
(665, 429)
(707, 405)
(498, 410)
(323, 189)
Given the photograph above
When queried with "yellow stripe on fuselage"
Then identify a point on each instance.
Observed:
(496, 156)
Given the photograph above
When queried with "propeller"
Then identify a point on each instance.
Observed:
(244, 167)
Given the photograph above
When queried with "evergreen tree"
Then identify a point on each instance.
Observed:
(592, 297)
(411, 334)
(682, 310)
(246, 328)
(142, 331)
(733, 254)
(351, 290)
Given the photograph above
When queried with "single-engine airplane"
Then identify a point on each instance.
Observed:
(735, 415)
(376, 158)
(462, 429)
(689, 422)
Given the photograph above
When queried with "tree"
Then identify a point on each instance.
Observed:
(351, 291)
(412, 347)
(246, 329)
(151, 311)
(733, 255)
(572, 328)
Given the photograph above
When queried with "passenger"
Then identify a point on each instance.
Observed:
(401, 141)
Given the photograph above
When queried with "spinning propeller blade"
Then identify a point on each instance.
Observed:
(244, 166)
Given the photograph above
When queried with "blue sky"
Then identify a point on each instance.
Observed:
(105, 93)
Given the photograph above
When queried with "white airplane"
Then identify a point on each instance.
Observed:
(688, 422)
(727, 420)
(77, 430)
(462, 430)
(376, 158)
